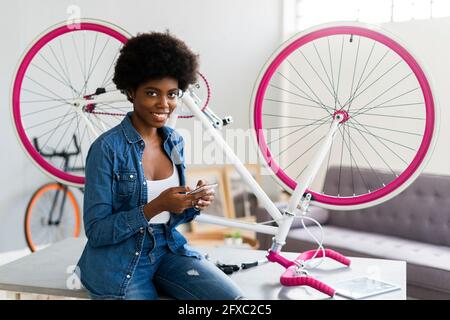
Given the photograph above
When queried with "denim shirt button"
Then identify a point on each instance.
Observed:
(144, 183)
(128, 276)
(150, 229)
(137, 253)
(141, 230)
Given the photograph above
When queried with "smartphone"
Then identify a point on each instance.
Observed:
(213, 185)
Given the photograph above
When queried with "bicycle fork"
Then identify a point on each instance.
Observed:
(50, 220)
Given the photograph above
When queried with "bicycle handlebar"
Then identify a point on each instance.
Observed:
(307, 255)
(64, 154)
(289, 278)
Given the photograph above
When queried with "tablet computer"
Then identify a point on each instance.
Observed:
(363, 287)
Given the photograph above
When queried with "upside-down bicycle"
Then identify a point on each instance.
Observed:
(343, 95)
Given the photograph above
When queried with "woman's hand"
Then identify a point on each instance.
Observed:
(207, 196)
(175, 200)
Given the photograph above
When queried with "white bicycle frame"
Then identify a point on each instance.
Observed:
(284, 221)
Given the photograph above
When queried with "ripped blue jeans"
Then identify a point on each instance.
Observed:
(161, 272)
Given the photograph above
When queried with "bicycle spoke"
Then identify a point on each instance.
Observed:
(356, 164)
(67, 68)
(378, 79)
(44, 87)
(375, 150)
(43, 95)
(293, 126)
(362, 74)
(93, 51)
(52, 129)
(307, 134)
(110, 68)
(309, 87)
(359, 111)
(39, 101)
(64, 134)
(392, 130)
(387, 90)
(62, 69)
(320, 104)
(340, 166)
(301, 155)
(84, 54)
(392, 116)
(46, 109)
(351, 159)
(288, 117)
(47, 121)
(81, 139)
(294, 103)
(79, 62)
(317, 74)
(381, 138)
(321, 121)
(354, 72)
(57, 127)
(331, 67)
(339, 74)
(110, 82)
(395, 106)
(324, 69)
(354, 96)
(95, 64)
(329, 158)
(52, 76)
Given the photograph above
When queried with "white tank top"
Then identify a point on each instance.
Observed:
(154, 189)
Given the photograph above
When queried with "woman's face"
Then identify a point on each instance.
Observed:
(155, 100)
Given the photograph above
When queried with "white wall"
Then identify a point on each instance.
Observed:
(233, 38)
(428, 41)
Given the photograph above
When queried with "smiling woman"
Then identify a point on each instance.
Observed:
(135, 190)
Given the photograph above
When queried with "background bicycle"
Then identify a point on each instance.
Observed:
(53, 212)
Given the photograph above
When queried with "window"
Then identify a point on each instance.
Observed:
(313, 12)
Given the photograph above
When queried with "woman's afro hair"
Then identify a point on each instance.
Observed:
(152, 56)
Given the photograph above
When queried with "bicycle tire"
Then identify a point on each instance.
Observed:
(32, 217)
(295, 57)
(43, 73)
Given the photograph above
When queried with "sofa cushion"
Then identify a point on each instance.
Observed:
(419, 213)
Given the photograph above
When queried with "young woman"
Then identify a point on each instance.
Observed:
(135, 193)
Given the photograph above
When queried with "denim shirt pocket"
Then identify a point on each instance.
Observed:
(124, 182)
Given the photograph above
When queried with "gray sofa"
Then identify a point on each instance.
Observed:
(414, 227)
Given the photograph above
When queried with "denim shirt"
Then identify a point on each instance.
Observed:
(114, 198)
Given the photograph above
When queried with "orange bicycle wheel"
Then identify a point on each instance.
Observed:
(52, 215)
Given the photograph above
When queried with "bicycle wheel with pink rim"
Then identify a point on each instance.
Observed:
(382, 91)
(64, 64)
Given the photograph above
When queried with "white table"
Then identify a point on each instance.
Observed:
(49, 272)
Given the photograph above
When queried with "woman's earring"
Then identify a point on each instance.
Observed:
(130, 98)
